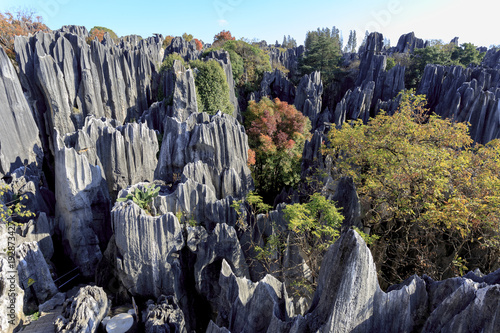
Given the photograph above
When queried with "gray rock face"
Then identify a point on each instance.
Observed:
(469, 95)
(225, 61)
(276, 85)
(370, 67)
(39, 230)
(32, 265)
(288, 59)
(19, 142)
(308, 96)
(125, 154)
(217, 141)
(187, 50)
(77, 30)
(221, 244)
(346, 198)
(52, 303)
(492, 58)
(408, 43)
(165, 316)
(66, 79)
(249, 307)
(82, 208)
(84, 312)
(147, 251)
(355, 104)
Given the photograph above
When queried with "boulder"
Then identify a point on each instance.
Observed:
(84, 311)
(52, 303)
(164, 316)
(34, 271)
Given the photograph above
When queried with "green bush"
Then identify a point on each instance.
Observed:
(143, 198)
(168, 62)
(212, 90)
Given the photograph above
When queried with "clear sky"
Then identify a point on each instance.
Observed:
(473, 21)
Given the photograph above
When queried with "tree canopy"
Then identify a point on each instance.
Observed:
(431, 195)
(212, 90)
(276, 134)
(323, 52)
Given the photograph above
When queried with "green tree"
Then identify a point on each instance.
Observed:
(249, 63)
(322, 54)
(430, 194)
(187, 37)
(352, 43)
(276, 134)
(212, 90)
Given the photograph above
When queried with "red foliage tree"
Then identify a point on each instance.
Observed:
(96, 33)
(199, 44)
(20, 23)
(223, 36)
(276, 134)
(167, 41)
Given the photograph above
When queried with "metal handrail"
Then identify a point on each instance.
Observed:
(66, 274)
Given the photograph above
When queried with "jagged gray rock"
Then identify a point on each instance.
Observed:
(82, 207)
(371, 60)
(125, 154)
(276, 85)
(492, 58)
(19, 142)
(288, 59)
(148, 248)
(31, 267)
(77, 30)
(84, 312)
(308, 96)
(218, 141)
(52, 303)
(77, 79)
(221, 244)
(469, 95)
(164, 316)
(39, 230)
(355, 104)
(245, 306)
(187, 50)
(177, 86)
(346, 198)
(408, 43)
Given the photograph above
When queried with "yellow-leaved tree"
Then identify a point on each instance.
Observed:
(428, 191)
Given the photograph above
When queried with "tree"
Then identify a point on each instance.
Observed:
(99, 33)
(322, 54)
(276, 133)
(222, 37)
(199, 44)
(289, 42)
(20, 23)
(431, 195)
(248, 61)
(166, 42)
(352, 43)
(212, 90)
(187, 37)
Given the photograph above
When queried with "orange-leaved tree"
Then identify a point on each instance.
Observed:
(20, 23)
(222, 37)
(276, 134)
(199, 44)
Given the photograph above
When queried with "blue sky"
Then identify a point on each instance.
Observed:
(474, 22)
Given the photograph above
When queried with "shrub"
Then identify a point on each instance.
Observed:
(166, 42)
(99, 33)
(143, 198)
(168, 62)
(212, 90)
